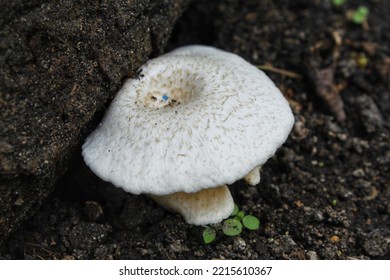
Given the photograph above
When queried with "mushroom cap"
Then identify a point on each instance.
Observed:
(196, 118)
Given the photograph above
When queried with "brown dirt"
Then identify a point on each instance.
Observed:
(324, 195)
(61, 62)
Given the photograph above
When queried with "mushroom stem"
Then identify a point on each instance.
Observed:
(204, 207)
(253, 177)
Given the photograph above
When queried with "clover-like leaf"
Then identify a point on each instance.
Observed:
(209, 235)
(360, 15)
(231, 227)
(240, 215)
(251, 222)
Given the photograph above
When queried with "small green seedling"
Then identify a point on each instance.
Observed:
(338, 3)
(209, 235)
(251, 222)
(360, 15)
(232, 226)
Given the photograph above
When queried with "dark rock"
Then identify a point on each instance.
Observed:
(369, 113)
(92, 210)
(60, 63)
(312, 255)
(102, 253)
(377, 242)
(337, 217)
(239, 244)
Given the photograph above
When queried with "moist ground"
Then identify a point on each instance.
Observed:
(324, 195)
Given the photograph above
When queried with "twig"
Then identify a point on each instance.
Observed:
(286, 73)
(37, 246)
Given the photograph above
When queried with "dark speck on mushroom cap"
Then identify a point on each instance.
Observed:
(228, 117)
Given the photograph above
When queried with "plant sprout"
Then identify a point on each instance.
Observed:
(232, 226)
(209, 235)
(338, 3)
(251, 222)
(360, 15)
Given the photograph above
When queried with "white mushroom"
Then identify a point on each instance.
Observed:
(199, 208)
(253, 177)
(197, 118)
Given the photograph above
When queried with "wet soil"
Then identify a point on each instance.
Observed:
(61, 63)
(324, 195)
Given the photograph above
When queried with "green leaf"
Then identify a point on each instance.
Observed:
(231, 227)
(251, 222)
(360, 15)
(338, 2)
(209, 235)
(363, 10)
(240, 215)
(235, 210)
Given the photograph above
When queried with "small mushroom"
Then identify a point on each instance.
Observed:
(197, 120)
(253, 177)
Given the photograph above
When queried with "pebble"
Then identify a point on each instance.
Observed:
(358, 145)
(312, 255)
(370, 114)
(358, 173)
(299, 132)
(92, 210)
(376, 243)
(335, 239)
(239, 244)
(6, 148)
(177, 247)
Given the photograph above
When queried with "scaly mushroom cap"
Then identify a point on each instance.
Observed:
(196, 118)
